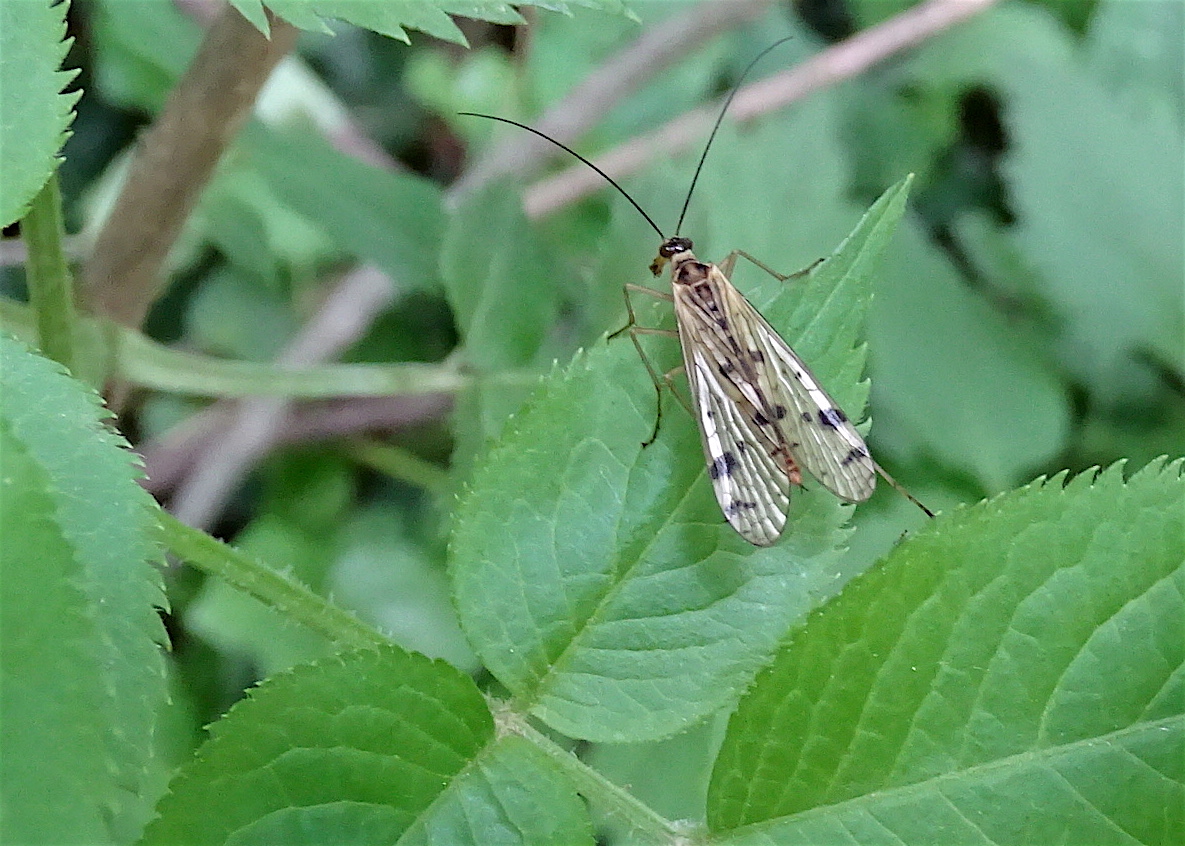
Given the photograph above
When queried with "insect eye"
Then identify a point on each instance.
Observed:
(675, 245)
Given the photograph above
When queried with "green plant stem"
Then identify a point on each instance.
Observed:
(272, 588)
(644, 824)
(399, 464)
(142, 362)
(51, 287)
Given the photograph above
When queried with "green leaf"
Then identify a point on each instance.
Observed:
(235, 320)
(511, 795)
(500, 282)
(1097, 187)
(51, 687)
(140, 51)
(393, 17)
(401, 228)
(36, 116)
(505, 289)
(1101, 213)
(247, 219)
(388, 577)
(83, 675)
(1011, 675)
(1135, 50)
(598, 580)
(952, 376)
(359, 748)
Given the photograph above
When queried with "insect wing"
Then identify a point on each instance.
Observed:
(817, 432)
(752, 488)
(761, 412)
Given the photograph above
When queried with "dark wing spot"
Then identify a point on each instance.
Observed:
(832, 417)
(757, 356)
(722, 465)
(778, 411)
(737, 506)
(806, 415)
(853, 454)
(726, 367)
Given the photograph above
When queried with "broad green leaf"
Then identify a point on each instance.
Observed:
(866, 13)
(79, 599)
(1135, 50)
(670, 775)
(231, 319)
(892, 129)
(510, 795)
(501, 285)
(953, 378)
(1011, 675)
(484, 79)
(53, 780)
(365, 747)
(265, 235)
(1100, 199)
(505, 290)
(394, 17)
(140, 50)
(35, 115)
(401, 226)
(480, 410)
(1097, 187)
(598, 580)
(387, 576)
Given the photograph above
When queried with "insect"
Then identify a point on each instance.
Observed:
(763, 417)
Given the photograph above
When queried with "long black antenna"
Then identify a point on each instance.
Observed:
(611, 181)
(716, 126)
(568, 149)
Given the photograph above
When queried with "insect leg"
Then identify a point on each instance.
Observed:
(729, 262)
(629, 305)
(657, 380)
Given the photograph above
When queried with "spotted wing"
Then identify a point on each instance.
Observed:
(816, 431)
(751, 485)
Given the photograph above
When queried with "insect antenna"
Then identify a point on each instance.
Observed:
(610, 179)
(716, 126)
(568, 149)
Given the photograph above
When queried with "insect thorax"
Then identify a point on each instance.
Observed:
(687, 270)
